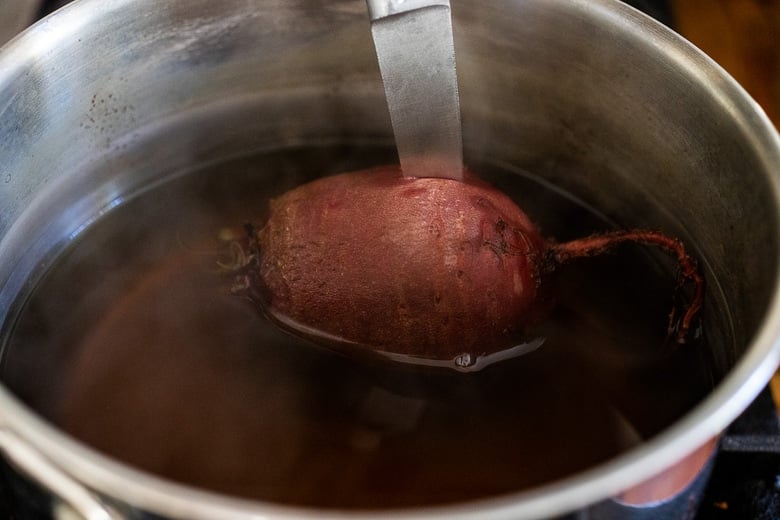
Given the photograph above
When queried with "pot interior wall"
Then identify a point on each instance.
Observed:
(583, 96)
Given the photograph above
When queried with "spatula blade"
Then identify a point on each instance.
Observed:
(416, 56)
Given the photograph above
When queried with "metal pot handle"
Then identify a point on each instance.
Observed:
(72, 500)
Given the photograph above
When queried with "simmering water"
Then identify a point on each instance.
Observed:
(133, 344)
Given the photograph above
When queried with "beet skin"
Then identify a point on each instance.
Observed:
(422, 267)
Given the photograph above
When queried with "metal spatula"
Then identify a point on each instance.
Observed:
(414, 45)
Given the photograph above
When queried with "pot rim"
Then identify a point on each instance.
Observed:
(706, 421)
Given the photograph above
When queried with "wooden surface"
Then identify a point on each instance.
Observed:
(743, 36)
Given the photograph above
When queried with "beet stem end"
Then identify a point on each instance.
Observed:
(689, 273)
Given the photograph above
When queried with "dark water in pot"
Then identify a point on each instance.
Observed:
(132, 344)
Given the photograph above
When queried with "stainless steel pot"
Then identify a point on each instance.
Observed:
(15, 16)
(589, 94)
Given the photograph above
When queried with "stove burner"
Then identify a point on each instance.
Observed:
(745, 482)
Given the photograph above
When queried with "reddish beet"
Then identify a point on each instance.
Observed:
(421, 269)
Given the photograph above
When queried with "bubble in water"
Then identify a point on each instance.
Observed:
(463, 360)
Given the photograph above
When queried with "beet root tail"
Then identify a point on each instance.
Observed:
(689, 273)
